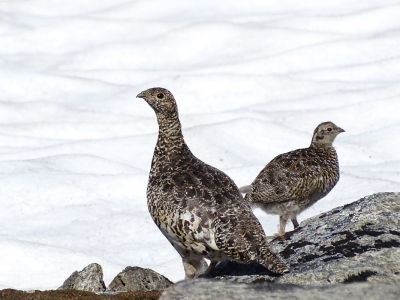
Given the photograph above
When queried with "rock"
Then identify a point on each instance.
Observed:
(211, 289)
(356, 242)
(138, 279)
(89, 279)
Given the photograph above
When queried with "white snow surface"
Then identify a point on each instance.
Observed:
(252, 79)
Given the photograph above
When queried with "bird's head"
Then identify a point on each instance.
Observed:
(325, 133)
(161, 100)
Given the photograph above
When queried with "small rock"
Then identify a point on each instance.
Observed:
(89, 279)
(138, 279)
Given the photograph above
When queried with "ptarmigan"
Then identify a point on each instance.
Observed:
(293, 181)
(197, 207)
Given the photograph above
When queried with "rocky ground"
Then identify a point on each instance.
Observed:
(352, 251)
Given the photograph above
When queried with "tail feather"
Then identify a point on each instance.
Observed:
(272, 262)
(277, 266)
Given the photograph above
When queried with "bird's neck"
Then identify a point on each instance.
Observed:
(322, 146)
(170, 138)
(169, 125)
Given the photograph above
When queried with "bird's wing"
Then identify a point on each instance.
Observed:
(214, 216)
(237, 231)
(288, 176)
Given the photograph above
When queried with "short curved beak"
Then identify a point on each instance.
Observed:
(341, 129)
(141, 95)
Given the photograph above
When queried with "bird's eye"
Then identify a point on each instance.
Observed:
(160, 95)
(329, 128)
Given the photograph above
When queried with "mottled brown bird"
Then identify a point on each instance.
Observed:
(198, 208)
(293, 181)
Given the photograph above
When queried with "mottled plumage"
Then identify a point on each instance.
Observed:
(293, 181)
(197, 207)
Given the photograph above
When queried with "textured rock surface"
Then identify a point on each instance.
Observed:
(356, 242)
(138, 279)
(204, 289)
(89, 279)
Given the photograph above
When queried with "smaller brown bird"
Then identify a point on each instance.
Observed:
(293, 181)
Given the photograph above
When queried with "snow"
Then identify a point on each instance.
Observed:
(252, 80)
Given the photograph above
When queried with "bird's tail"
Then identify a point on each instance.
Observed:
(269, 259)
(273, 263)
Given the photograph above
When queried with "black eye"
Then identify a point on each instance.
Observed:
(160, 95)
(329, 129)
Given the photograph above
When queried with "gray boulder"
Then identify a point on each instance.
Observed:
(353, 243)
(89, 279)
(211, 289)
(350, 252)
(138, 279)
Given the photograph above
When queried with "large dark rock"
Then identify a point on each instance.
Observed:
(89, 279)
(211, 289)
(138, 279)
(356, 242)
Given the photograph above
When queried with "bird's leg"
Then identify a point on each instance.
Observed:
(193, 268)
(295, 223)
(282, 225)
(190, 270)
(209, 269)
